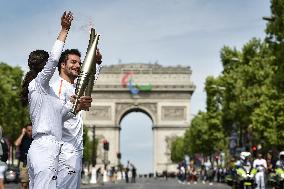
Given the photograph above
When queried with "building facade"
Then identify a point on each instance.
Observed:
(162, 93)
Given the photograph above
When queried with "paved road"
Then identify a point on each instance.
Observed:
(146, 184)
(161, 184)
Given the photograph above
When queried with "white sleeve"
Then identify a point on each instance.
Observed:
(67, 107)
(265, 164)
(98, 69)
(43, 77)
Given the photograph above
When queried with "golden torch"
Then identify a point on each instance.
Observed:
(86, 77)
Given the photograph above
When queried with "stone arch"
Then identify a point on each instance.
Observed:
(133, 108)
(167, 103)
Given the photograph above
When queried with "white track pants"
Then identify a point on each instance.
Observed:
(259, 179)
(43, 162)
(69, 169)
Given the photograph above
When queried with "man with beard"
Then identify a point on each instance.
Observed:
(70, 158)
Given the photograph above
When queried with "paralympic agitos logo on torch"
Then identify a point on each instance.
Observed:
(128, 81)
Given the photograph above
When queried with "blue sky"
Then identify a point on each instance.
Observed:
(172, 32)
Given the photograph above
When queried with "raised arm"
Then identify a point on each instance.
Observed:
(45, 75)
(66, 21)
(97, 67)
(18, 142)
(98, 64)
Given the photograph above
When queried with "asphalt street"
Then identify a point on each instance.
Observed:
(145, 184)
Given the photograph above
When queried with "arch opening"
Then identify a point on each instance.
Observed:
(136, 140)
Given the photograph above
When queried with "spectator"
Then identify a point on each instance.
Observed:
(165, 174)
(23, 142)
(126, 175)
(271, 162)
(3, 159)
(209, 171)
(133, 173)
(99, 176)
(182, 173)
(192, 174)
(127, 172)
(202, 173)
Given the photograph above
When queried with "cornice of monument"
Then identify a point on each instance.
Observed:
(190, 88)
(145, 68)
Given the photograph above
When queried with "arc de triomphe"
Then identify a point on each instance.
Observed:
(162, 93)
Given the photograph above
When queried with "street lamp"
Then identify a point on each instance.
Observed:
(118, 157)
(268, 18)
(218, 95)
(235, 59)
(106, 149)
(93, 171)
(219, 87)
(119, 160)
(14, 89)
(94, 145)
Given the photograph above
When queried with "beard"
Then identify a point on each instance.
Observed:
(72, 73)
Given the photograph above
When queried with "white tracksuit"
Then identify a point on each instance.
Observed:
(47, 114)
(70, 158)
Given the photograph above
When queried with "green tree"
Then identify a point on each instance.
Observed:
(247, 79)
(267, 120)
(204, 135)
(275, 38)
(214, 104)
(249, 94)
(177, 150)
(196, 136)
(89, 147)
(268, 123)
(12, 115)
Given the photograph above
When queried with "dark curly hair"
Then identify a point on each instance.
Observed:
(37, 60)
(64, 56)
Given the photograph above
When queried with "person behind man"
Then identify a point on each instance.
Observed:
(47, 112)
(23, 142)
(70, 158)
(261, 165)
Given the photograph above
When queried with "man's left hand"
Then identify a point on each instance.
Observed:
(98, 57)
(85, 103)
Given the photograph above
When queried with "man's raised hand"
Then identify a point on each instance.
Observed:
(66, 20)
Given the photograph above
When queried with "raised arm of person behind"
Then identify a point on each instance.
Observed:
(45, 75)
(39, 58)
(46, 111)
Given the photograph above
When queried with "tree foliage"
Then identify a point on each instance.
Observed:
(248, 85)
(248, 94)
(177, 150)
(268, 119)
(89, 147)
(12, 115)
